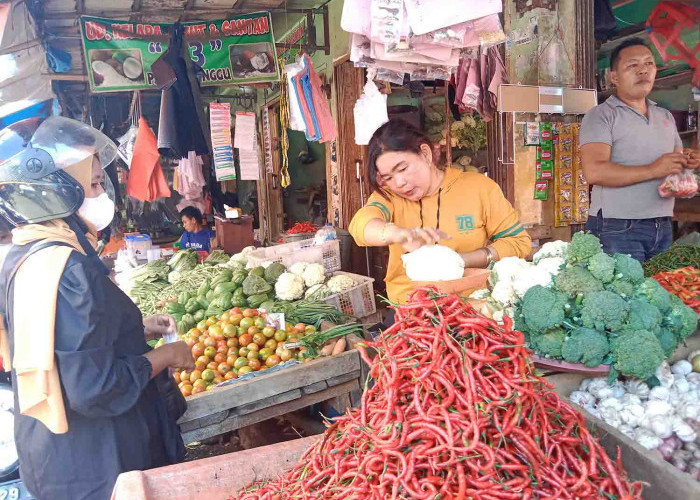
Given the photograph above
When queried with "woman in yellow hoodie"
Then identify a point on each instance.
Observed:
(416, 202)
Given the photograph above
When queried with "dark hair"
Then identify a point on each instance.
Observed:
(395, 135)
(192, 213)
(630, 42)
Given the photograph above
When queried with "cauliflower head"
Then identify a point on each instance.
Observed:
(604, 311)
(551, 249)
(508, 269)
(551, 265)
(533, 276)
(340, 283)
(289, 286)
(298, 268)
(314, 274)
(602, 267)
(583, 246)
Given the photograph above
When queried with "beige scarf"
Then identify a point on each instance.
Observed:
(36, 289)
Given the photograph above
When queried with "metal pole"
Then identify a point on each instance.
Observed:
(362, 195)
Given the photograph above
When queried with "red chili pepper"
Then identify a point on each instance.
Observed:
(455, 411)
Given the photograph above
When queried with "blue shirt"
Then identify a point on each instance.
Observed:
(197, 241)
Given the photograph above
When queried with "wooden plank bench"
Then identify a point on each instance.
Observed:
(245, 403)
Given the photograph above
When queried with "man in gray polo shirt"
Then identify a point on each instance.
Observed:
(628, 146)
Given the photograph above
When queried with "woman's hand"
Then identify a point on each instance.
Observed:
(175, 355)
(158, 325)
(412, 239)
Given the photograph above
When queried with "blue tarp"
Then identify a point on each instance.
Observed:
(42, 109)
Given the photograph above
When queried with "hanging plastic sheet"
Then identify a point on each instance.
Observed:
(370, 112)
(146, 180)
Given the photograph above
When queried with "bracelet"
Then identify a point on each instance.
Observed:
(489, 256)
(382, 235)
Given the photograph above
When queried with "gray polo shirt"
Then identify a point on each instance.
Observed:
(635, 140)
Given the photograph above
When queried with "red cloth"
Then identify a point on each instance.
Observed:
(146, 180)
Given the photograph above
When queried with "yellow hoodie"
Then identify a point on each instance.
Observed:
(473, 211)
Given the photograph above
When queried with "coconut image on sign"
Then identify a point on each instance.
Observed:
(116, 68)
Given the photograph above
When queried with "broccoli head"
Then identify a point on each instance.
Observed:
(650, 291)
(621, 287)
(575, 280)
(604, 311)
(583, 246)
(680, 319)
(549, 343)
(542, 309)
(667, 340)
(602, 267)
(585, 346)
(643, 316)
(628, 268)
(638, 353)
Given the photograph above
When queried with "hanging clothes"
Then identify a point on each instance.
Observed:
(181, 105)
(146, 180)
(477, 79)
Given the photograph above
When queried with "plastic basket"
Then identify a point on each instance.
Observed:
(327, 254)
(357, 301)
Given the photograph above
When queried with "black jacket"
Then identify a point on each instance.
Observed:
(118, 418)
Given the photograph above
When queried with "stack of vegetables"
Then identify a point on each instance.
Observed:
(683, 283)
(664, 418)
(674, 258)
(596, 309)
(240, 341)
(456, 411)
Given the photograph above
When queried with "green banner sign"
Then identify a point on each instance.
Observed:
(236, 51)
(291, 43)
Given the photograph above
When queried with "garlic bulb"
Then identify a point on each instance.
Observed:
(610, 416)
(659, 393)
(631, 399)
(632, 414)
(647, 438)
(682, 367)
(582, 398)
(626, 430)
(639, 389)
(663, 373)
(661, 426)
(681, 384)
(610, 402)
(656, 408)
(618, 389)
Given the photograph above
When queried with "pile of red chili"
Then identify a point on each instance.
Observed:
(302, 228)
(683, 282)
(455, 412)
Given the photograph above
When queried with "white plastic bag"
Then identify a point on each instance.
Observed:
(125, 149)
(370, 113)
(683, 185)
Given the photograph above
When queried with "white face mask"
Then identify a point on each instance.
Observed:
(97, 211)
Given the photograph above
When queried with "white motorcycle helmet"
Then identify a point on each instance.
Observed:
(34, 156)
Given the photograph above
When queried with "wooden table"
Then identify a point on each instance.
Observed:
(244, 403)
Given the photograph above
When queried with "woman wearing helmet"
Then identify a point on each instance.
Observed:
(92, 400)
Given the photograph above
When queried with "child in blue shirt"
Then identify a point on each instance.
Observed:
(195, 237)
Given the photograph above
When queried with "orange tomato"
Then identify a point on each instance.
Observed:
(254, 364)
(253, 347)
(224, 368)
(235, 310)
(196, 374)
(218, 379)
(259, 339)
(208, 375)
(232, 351)
(236, 319)
(210, 352)
(240, 363)
(253, 355)
(269, 331)
(271, 344)
(200, 383)
(216, 332)
(176, 376)
(210, 342)
(200, 365)
(197, 350)
(249, 313)
(185, 376)
(223, 349)
(231, 358)
(300, 327)
(213, 365)
(245, 339)
(203, 359)
(232, 342)
(190, 342)
(198, 389)
(186, 390)
(243, 351)
(220, 357)
(272, 360)
(230, 330)
(286, 355)
(230, 375)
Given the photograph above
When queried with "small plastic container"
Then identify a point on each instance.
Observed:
(140, 244)
(326, 233)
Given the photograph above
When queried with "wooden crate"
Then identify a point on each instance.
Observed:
(245, 403)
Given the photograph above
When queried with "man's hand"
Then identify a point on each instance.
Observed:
(158, 325)
(179, 355)
(669, 164)
(692, 157)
